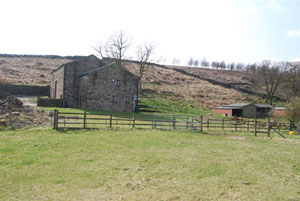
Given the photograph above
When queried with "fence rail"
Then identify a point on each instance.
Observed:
(65, 120)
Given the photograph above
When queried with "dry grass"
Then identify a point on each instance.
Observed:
(177, 86)
(21, 70)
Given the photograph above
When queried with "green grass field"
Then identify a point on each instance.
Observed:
(134, 164)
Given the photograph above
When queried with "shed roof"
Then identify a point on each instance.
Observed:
(241, 105)
(263, 106)
(237, 105)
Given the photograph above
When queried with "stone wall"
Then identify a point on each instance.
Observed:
(73, 71)
(100, 90)
(57, 76)
(49, 102)
(23, 90)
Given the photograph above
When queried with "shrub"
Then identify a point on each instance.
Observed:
(292, 110)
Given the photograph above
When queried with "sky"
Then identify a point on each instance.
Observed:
(231, 30)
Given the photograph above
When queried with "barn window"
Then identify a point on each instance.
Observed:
(117, 83)
(127, 99)
(115, 99)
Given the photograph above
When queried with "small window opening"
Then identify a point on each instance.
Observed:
(117, 83)
(115, 99)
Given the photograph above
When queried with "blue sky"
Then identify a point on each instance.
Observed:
(274, 29)
(229, 30)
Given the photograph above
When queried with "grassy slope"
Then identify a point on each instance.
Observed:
(146, 165)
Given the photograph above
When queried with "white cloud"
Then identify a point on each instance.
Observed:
(276, 6)
(251, 9)
(293, 34)
(296, 59)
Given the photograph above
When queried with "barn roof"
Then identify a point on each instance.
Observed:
(107, 65)
(85, 59)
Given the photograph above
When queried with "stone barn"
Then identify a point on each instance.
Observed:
(244, 110)
(91, 83)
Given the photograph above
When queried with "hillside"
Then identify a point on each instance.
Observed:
(195, 87)
(28, 70)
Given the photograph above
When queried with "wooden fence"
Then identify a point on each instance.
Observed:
(67, 120)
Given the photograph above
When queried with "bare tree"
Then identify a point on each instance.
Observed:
(115, 47)
(204, 63)
(293, 79)
(239, 66)
(191, 62)
(214, 64)
(176, 61)
(272, 76)
(144, 53)
(99, 48)
(223, 65)
(232, 66)
(196, 63)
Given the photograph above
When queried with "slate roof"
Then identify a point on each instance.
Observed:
(263, 106)
(90, 57)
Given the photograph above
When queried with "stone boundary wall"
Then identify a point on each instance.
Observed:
(49, 102)
(24, 90)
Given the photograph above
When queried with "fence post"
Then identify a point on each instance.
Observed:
(248, 126)
(110, 121)
(291, 126)
(152, 121)
(10, 118)
(84, 120)
(207, 124)
(55, 119)
(255, 127)
(269, 127)
(201, 124)
(51, 117)
(235, 124)
(133, 124)
(187, 123)
(174, 122)
(222, 124)
(192, 125)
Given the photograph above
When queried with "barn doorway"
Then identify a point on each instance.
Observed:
(237, 112)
